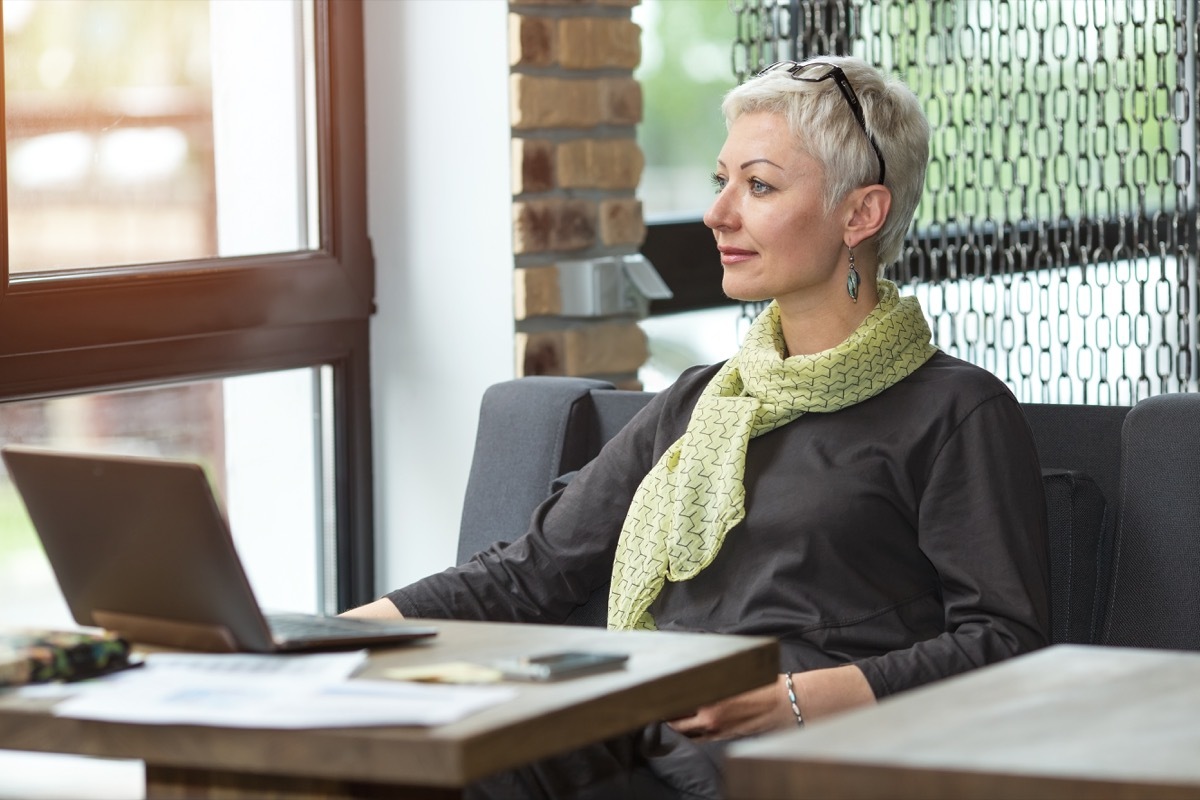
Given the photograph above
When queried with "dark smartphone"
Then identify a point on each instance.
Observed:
(556, 666)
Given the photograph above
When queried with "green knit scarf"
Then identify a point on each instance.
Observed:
(690, 499)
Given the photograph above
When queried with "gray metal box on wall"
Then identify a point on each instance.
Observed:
(610, 286)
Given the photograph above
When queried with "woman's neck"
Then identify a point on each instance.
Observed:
(826, 324)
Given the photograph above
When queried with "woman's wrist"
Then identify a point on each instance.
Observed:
(821, 692)
(793, 704)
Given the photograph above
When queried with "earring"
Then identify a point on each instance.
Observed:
(852, 278)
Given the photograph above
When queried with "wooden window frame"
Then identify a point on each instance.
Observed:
(109, 328)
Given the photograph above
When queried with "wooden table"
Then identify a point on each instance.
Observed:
(667, 674)
(1065, 722)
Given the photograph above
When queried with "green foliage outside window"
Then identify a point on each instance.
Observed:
(685, 71)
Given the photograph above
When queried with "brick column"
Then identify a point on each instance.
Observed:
(575, 166)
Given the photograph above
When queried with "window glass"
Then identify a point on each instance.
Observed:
(258, 438)
(143, 131)
(685, 71)
(172, 133)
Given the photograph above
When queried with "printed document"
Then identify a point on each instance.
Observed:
(272, 691)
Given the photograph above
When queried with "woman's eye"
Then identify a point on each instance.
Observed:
(718, 182)
(758, 187)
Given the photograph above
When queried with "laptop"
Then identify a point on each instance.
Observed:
(140, 546)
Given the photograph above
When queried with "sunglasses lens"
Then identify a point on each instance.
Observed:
(780, 65)
(812, 72)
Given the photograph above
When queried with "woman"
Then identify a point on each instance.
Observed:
(839, 484)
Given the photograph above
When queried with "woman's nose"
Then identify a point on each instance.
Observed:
(720, 213)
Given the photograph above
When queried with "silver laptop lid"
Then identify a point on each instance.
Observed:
(140, 543)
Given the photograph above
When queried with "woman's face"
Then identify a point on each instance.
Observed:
(769, 220)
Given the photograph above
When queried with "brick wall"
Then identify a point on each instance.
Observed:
(575, 165)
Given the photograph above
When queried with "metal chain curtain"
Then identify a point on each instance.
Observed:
(1055, 244)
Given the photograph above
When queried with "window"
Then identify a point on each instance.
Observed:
(187, 250)
(685, 71)
(194, 144)
(256, 438)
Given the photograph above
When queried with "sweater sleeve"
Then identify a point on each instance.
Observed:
(982, 525)
(567, 551)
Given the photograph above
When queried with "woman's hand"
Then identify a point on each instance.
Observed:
(819, 692)
(756, 711)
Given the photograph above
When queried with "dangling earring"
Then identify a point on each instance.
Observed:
(852, 278)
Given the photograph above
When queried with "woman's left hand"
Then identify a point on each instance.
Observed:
(756, 711)
(819, 692)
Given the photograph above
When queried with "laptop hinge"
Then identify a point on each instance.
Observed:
(168, 632)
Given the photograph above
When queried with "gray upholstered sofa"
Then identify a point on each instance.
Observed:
(1122, 488)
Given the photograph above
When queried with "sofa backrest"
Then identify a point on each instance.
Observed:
(1155, 595)
(533, 431)
(1084, 439)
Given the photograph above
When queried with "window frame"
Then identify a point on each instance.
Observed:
(140, 325)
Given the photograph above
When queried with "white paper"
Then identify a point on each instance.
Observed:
(318, 666)
(274, 691)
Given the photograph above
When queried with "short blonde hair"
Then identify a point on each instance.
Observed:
(820, 119)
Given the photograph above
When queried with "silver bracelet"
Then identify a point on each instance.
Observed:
(791, 690)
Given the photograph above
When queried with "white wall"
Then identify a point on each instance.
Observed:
(440, 222)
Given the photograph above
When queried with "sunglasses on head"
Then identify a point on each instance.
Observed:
(817, 71)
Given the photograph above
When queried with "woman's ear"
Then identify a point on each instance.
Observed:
(868, 208)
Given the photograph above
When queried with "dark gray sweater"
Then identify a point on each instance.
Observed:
(905, 534)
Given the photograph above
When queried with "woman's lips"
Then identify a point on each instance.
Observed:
(735, 255)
